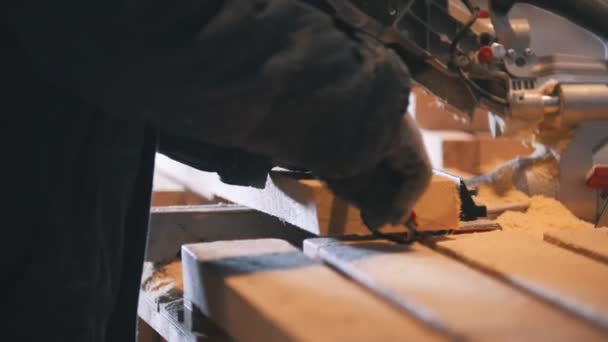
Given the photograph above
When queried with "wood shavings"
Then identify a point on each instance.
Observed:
(163, 279)
(499, 197)
(544, 214)
(542, 178)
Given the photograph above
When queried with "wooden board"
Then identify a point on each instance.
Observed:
(267, 290)
(306, 204)
(168, 191)
(430, 215)
(495, 151)
(431, 114)
(572, 282)
(592, 243)
(177, 198)
(171, 227)
(167, 317)
(310, 205)
(473, 153)
(448, 294)
(441, 145)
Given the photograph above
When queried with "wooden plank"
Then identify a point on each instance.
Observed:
(178, 198)
(171, 227)
(592, 243)
(431, 113)
(267, 290)
(472, 153)
(452, 150)
(168, 191)
(431, 216)
(451, 295)
(572, 282)
(166, 316)
(161, 307)
(283, 198)
(310, 205)
(494, 152)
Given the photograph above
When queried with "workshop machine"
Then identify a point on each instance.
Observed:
(539, 67)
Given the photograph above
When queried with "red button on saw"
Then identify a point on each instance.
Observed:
(597, 177)
(485, 55)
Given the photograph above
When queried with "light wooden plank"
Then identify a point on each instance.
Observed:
(310, 205)
(432, 216)
(431, 113)
(440, 146)
(178, 198)
(592, 243)
(449, 294)
(283, 198)
(570, 281)
(472, 153)
(171, 227)
(168, 190)
(304, 203)
(267, 290)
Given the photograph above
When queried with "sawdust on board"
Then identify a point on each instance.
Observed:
(516, 186)
(544, 214)
(163, 279)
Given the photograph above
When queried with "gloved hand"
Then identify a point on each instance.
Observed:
(387, 193)
(283, 81)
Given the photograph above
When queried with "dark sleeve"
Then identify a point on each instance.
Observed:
(276, 78)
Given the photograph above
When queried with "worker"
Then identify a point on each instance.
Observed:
(93, 89)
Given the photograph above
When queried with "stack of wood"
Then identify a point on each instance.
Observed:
(485, 287)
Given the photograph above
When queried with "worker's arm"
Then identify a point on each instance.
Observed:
(277, 78)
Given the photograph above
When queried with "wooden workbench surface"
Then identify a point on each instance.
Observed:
(499, 286)
(496, 286)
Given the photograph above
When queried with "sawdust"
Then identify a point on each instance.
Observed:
(499, 197)
(542, 178)
(164, 279)
(544, 214)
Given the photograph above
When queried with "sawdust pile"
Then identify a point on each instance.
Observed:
(163, 279)
(544, 214)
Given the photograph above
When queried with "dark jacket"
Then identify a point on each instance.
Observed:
(91, 86)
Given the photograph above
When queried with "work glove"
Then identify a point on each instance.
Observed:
(280, 82)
